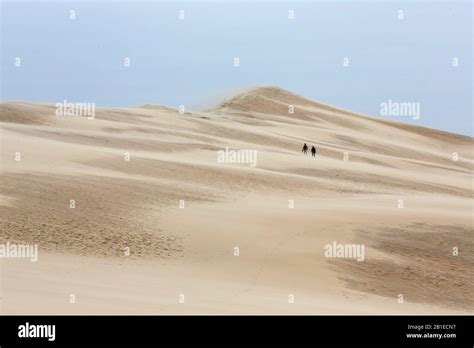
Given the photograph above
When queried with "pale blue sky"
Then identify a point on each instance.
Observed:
(189, 61)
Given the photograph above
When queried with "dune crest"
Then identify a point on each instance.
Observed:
(147, 179)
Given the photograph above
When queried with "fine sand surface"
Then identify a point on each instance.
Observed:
(181, 213)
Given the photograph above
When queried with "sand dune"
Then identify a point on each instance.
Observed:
(181, 212)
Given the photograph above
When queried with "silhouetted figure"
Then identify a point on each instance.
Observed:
(305, 148)
(313, 151)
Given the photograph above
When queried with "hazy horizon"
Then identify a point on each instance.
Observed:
(190, 61)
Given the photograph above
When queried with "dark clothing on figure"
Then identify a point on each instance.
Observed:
(305, 148)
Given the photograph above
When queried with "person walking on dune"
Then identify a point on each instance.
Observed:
(305, 148)
(313, 151)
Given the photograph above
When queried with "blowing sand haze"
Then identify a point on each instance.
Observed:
(157, 210)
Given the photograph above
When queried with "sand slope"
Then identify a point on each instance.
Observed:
(181, 213)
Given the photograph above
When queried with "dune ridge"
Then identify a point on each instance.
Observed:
(181, 213)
